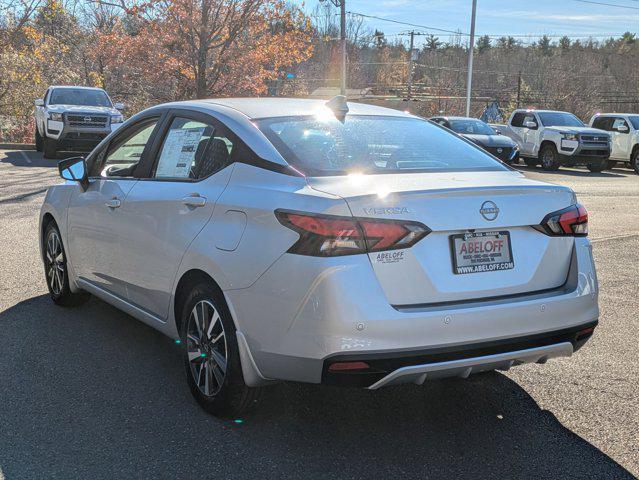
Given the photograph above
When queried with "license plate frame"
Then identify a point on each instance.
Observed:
(492, 265)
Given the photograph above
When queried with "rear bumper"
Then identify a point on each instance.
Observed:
(335, 309)
(457, 361)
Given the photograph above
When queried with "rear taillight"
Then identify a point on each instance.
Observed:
(571, 221)
(329, 236)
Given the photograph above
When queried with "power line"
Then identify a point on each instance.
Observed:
(408, 23)
(607, 4)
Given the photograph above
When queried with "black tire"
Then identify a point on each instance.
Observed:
(531, 162)
(597, 166)
(634, 161)
(38, 140)
(218, 386)
(55, 269)
(549, 158)
(610, 164)
(50, 148)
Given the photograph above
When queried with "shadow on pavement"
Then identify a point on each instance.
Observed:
(31, 158)
(91, 393)
(576, 173)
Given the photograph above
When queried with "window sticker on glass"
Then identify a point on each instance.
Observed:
(178, 153)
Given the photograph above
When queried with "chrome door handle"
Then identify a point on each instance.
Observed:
(113, 203)
(194, 201)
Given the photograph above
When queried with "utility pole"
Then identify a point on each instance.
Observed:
(342, 26)
(519, 89)
(342, 40)
(469, 80)
(410, 66)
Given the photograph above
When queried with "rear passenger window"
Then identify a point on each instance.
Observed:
(518, 119)
(602, 123)
(192, 150)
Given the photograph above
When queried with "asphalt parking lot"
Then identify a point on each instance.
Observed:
(91, 393)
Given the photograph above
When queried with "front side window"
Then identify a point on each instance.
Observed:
(476, 127)
(559, 119)
(125, 153)
(371, 144)
(620, 122)
(79, 96)
(193, 150)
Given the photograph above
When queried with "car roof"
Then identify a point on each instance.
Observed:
(267, 107)
(534, 110)
(615, 114)
(456, 118)
(75, 87)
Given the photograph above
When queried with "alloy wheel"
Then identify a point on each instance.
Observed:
(206, 348)
(55, 263)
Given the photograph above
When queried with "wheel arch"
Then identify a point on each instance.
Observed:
(635, 147)
(47, 218)
(250, 371)
(545, 143)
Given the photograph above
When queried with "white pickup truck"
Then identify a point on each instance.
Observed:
(74, 118)
(555, 139)
(624, 128)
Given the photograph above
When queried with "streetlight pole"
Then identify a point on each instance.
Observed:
(469, 80)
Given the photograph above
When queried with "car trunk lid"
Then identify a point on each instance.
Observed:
(471, 207)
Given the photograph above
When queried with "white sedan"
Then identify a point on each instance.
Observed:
(322, 242)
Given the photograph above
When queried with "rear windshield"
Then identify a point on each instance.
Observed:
(559, 119)
(321, 146)
(79, 96)
(473, 127)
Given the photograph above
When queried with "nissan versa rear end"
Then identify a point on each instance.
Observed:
(334, 243)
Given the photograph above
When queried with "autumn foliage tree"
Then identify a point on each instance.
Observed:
(203, 48)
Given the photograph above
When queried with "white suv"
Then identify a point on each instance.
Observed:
(74, 118)
(289, 239)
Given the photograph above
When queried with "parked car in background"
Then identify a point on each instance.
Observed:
(624, 128)
(554, 139)
(74, 118)
(334, 243)
(483, 135)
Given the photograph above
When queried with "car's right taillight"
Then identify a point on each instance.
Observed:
(571, 221)
(329, 235)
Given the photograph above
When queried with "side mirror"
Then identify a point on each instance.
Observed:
(530, 124)
(39, 102)
(118, 106)
(622, 129)
(75, 169)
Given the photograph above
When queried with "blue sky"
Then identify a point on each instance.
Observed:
(501, 17)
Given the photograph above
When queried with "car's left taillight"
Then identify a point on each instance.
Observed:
(571, 221)
(330, 235)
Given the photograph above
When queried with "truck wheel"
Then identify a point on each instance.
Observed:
(38, 140)
(634, 160)
(549, 158)
(598, 166)
(50, 148)
(531, 162)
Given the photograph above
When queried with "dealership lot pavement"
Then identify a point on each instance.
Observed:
(92, 393)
